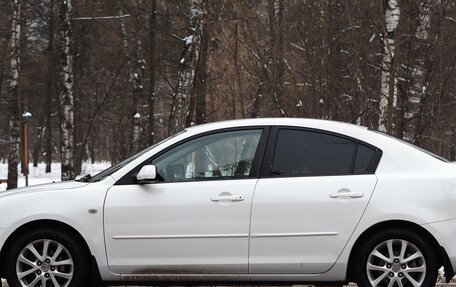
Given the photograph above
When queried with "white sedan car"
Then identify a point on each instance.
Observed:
(246, 201)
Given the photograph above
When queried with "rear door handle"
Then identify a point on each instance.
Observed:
(228, 198)
(346, 194)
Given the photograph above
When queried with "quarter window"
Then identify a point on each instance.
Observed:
(216, 156)
(307, 153)
(364, 157)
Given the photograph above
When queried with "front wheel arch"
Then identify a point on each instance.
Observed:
(49, 224)
(442, 258)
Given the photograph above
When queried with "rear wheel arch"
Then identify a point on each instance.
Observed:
(397, 224)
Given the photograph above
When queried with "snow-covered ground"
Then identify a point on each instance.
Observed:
(38, 175)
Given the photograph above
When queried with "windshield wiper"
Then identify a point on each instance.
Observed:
(85, 178)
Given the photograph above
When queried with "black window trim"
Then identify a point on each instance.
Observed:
(130, 177)
(266, 168)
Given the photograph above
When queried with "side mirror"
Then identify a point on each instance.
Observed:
(148, 173)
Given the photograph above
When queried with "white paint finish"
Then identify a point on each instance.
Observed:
(304, 205)
(176, 226)
(444, 232)
(147, 172)
(67, 202)
(423, 198)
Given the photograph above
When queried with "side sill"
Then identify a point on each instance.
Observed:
(227, 279)
(225, 283)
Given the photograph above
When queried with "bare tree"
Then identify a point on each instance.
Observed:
(138, 80)
(275, 17)
(152, 68)
(180, 108)
(420, 74)
(240, 59)
(66, 93)
(13, 94)
(237, 66)
(51, 88)
(388, 95)
(197, 107)
(136, 67)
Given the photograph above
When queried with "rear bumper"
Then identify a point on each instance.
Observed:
(445, 234)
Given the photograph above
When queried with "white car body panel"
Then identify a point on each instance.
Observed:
(292, 218)
(412, 186)
(66, 202)
(176, 227)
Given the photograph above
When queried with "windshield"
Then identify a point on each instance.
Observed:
(107, 172)
(414, 146)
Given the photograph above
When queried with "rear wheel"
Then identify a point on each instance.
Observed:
(46, 258)
(396, 258)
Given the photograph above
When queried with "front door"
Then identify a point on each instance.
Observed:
(195, 219)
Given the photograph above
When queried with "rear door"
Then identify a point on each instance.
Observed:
(314, 191)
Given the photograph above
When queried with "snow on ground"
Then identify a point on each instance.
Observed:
(38, 175)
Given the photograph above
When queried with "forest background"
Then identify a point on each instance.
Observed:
(104, 79)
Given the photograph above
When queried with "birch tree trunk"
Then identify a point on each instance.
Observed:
(51, 89)
(152, 64)
(185, 78)
(388, 93)
(420, 83)
(138, 81)
(275, 17)
(238, 78)
(135, 73)
(200, 88)
(197, 109)
(13, 94)
(66, 93)
(3, 59)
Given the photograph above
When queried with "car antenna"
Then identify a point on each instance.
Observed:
(361, 114)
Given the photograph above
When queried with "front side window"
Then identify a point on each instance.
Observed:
(215, 156)
(308, 153)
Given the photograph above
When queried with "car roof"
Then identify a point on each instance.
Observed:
(299, 122)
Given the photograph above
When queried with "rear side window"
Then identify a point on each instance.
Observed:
(313, 153)
(307, 153)
(364, 156)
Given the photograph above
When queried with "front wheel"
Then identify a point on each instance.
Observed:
(396, 258)
(46, 258)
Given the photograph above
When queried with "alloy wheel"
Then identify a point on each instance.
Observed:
(44, 263)
(396, 263)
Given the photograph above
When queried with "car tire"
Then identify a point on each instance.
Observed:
(47, 256)
(413, 261)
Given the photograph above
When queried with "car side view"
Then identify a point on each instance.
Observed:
(245, 201)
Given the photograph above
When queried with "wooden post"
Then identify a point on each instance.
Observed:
(26, 151)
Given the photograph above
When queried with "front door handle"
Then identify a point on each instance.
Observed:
(228, 198)
(346, 194)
